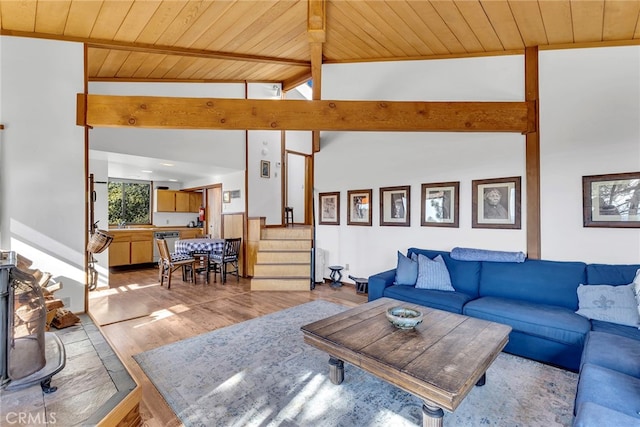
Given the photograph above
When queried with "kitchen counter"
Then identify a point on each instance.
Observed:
(136, 245)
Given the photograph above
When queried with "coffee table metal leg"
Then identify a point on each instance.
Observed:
(431, 415)
(336, 370)
(482, 380)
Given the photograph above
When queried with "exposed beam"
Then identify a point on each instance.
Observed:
(158, 49)
(294, 81)
(316, 30)
(261, 114)
(533, 156)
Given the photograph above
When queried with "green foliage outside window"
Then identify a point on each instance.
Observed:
(129, 202)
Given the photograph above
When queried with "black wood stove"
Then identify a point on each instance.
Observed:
(28, 354)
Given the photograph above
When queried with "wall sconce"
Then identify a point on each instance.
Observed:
(276, 90)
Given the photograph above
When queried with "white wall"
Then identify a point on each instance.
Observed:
(42, 170)
(589, 125)
(232, 182)
(265, 194)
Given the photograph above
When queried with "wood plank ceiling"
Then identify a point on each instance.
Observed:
(267, 40)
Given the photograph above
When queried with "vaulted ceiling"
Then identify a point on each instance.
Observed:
(269, 40)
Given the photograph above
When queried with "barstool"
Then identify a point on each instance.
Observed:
(288, 216)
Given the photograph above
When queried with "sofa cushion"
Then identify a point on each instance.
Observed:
(406, 271)
(465, 275)
(611, 274)
(615, 304)
(613, 352)
(608, 388)
(433, 274)
(546, 321)
(591, 414)
(536, 281)
(612, 328)
(441, 300)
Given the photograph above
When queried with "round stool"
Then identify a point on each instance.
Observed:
(362, 284)
(336, 271)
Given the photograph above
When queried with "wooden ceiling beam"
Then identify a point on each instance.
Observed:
(316, 30)
(261, 114)
(161, 50)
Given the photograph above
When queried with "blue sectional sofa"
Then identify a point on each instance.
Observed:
(539, 300)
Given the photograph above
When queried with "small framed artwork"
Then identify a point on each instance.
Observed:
(265, 168)
(395, 206)
(226, 197)
(611, 200)
(439, 204)
(359, 207)
(496, 203)
(329, 205)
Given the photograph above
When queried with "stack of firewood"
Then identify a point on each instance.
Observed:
(57, 316)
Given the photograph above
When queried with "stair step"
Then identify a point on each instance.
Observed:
(284, 244)
(282, 270)
(283, 257)
(286, 233)
(281, 284)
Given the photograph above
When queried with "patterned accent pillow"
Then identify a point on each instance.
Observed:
(615, 304)
(433, 274)
(406, 271)
(636, 290)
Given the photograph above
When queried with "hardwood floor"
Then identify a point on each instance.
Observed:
(135, 315)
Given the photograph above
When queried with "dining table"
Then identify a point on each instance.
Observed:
(189, 246)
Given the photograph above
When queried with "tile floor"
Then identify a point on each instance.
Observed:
(91, 383)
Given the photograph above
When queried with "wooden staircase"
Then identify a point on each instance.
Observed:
(283, 259)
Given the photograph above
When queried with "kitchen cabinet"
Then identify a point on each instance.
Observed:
(177, 201)
(133, 247)
(191, 233)
(165, 201)
(195, 201)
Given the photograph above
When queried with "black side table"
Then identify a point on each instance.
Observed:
(336, 270)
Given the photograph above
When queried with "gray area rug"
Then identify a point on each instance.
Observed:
(261, 373)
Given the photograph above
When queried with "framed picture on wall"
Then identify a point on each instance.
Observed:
(265, 168)
(329, 205)
(395, 206)
(439, 204)
(496, 203)
(611, 200)
(359, 207)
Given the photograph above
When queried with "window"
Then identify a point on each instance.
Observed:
(129, 202)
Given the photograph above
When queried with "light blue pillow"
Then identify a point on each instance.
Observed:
(433, 274)
(615, 304)
(406, 271)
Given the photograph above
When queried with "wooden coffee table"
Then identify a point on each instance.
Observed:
(439, 361)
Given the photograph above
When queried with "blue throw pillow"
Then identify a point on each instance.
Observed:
(407, 271)
(433, 274)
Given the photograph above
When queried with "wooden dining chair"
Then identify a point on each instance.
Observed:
(201, 264)
(228, 256)
(169, 263)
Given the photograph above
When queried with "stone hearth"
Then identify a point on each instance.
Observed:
(90, 385)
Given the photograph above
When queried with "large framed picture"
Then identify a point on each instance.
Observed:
(395, 206)
(329, 205)
(496, 203)
(611, 200)
(359, 207)
(439, 204)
